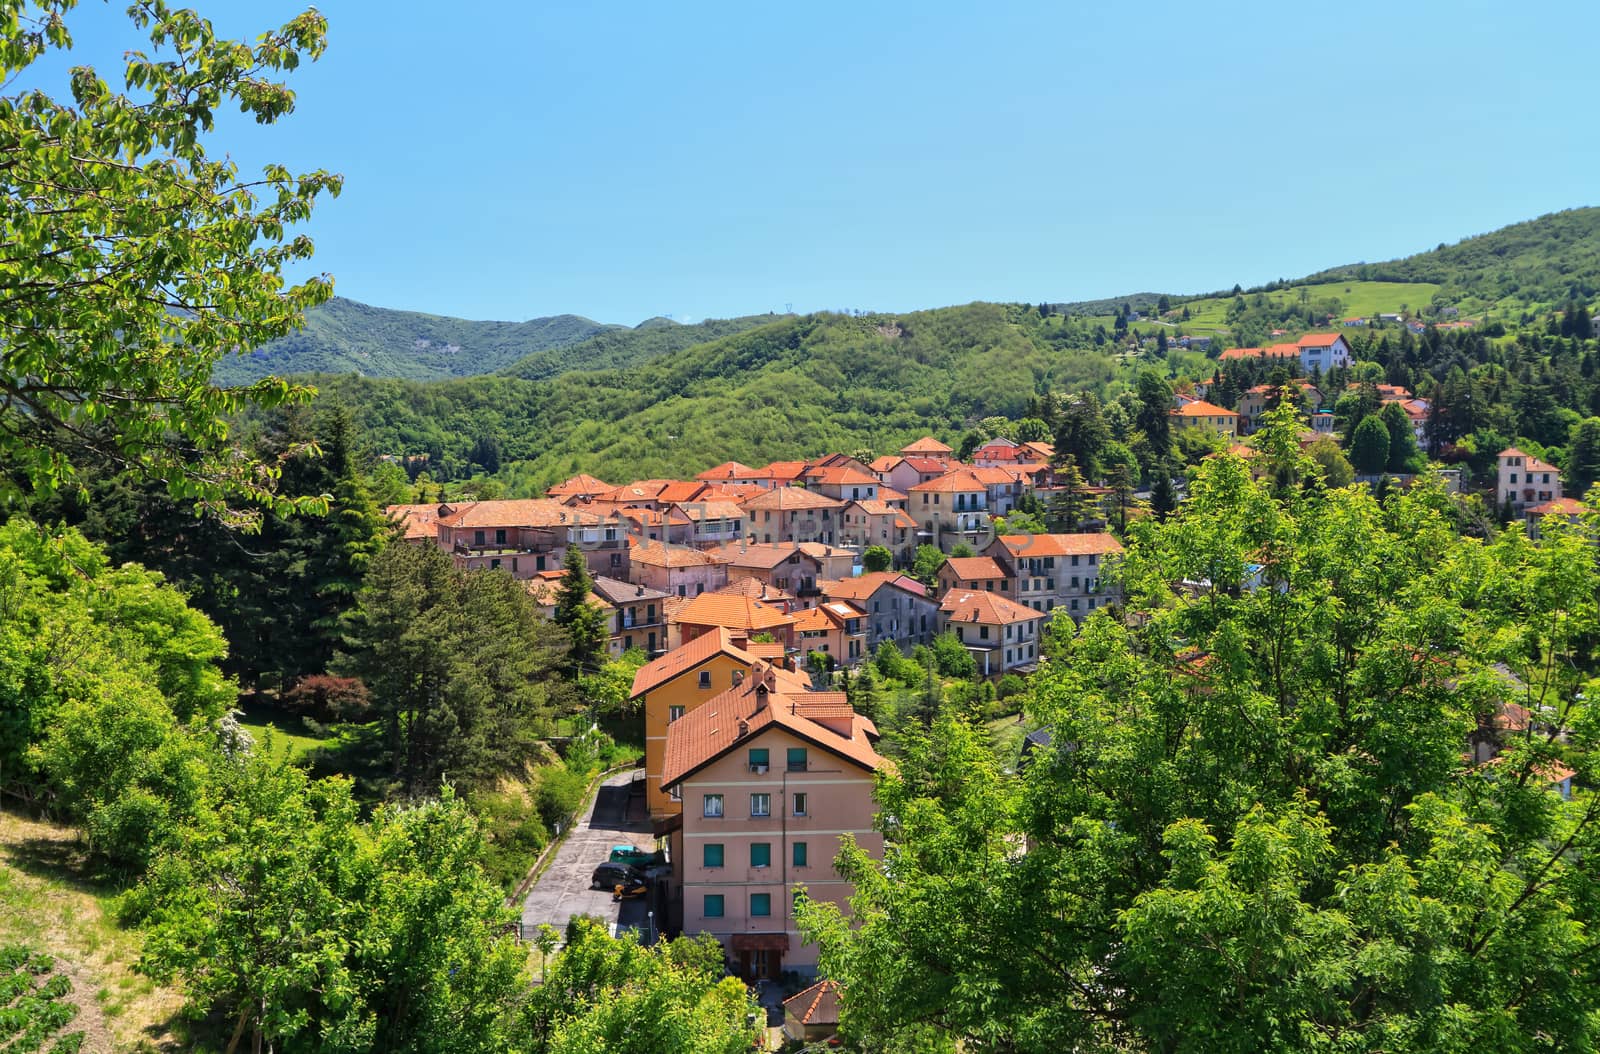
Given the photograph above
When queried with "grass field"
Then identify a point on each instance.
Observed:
(1366, 299)
(51, 904)
(288, 736)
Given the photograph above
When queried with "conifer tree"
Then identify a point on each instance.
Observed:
(585, 624)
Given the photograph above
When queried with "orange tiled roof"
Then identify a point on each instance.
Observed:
(764, 700)
(781, 471)
(928, 466)
(755, 589)
(961, 481)
(757, 554)
(579, 484)
(734, 492)
(840, 476)
(709, 510)
(993, 476)
(786, 498)
(683, 659)
(974, 568)
(1558, 507)
(726, 470)
(418, 520)
(817, 1005)
(831, 615)
(863, 586)
(518, 512)
(1277, 351)
(980, 605)
(733, 611)
(884, 463)
(1317, 340)
(874, 507)
(925, 445)
(1201, 408)
(1032, 545)
(655, 554)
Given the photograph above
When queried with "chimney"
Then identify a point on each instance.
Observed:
(744, 728)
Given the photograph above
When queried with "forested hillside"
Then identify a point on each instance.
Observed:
(345, 336)
(790, 388)
(617, 348)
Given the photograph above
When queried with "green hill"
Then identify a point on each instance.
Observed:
(616, 348)
(345, 336)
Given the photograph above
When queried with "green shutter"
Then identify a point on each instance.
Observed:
(761, 904)
(797, 759)
(759, 756)
(712, 854)
(760, 854)
(713, 906)
(799, 854)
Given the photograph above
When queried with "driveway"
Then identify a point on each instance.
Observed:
(616, 817)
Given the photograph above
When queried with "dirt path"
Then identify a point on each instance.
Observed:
(51, 906)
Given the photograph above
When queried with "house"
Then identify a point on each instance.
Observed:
(1525, 481)
(743, 617)
(578, 488)
(980, 573)
(678, 570)
(637, 616)
(927, 446)
(415, 522)
(772, 596)
(836, 628)
(1275, 351)
(847, 482)
(1389, 316)
(725, 472)
(866, 523)
(711, 522)
(1355, 320)
(525, 536)
(1255, 401)
(1001, 635)
(1201, 414)
(835, 561)
(786, 567)
(778, 474)
(679, 682)
(793, 514)
(1569, 509)
(897, 606)
(1004, 485)
(649, 525)
(1058, 570)
(951, 509)
(903, 473)
(812, 1014)
(771, 780)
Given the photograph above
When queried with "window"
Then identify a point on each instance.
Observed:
(797, 759)
(738, 678)
(799, 854)
(500, 537)
(677, 793)
(711, 855)
(713, 906)
(760, 904)
(477, 536)
(758, 759)
(494, 565)
(760, 805)
(983, 632)
(705, 678)
(673, 713)
(760, 854)
(713, 809)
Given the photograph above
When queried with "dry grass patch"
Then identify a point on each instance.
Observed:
(53, 904)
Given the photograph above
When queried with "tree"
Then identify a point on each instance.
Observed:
(135, 260)
(1122, 487)
(1369, 446)
(1071, 503)
(961, 551)
(926, 563)
(1082, 434)
(1262, 825)
(1163, 495)
(1032, 430)
(952, 657)
(584, 622)
(1335, 467)
(1403, 453)
(1583, 455)
(876, 558)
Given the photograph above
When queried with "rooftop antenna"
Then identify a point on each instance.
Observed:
(788, 307)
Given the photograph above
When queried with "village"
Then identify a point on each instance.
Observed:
(750, 589)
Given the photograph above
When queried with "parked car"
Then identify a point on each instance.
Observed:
(611, 875)
(636, 857)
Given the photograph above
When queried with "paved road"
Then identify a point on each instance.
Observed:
(563, 890)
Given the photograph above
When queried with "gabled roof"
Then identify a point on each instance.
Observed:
(677, 490)
(762, 701)
(734, 492)
(840, 476)
(831, 615)
(884, 463)
(418, 520)
(682, 659)
(862, 587)
(781, 471)
(961, 481)
(994, 476)
(757, 554)
(980, 605)
(927, 466)
(1276, 351)
(1033, 545)
(974, 568)
(925, 445)
(726, 470)
(788, 498)
(755, 589)
(824, 551)
(1318, 340)
(1201, 408)
(518, 512)
(817, 1005)
(655, 554)
(734, 611)
(617, 591)
(1558, 507)
(874, 506)
(709, 510)
(579, 484)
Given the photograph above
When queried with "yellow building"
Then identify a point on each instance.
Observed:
(676, 684)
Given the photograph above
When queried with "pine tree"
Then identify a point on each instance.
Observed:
(584, 623)
(1163, 495)
(1068, 506)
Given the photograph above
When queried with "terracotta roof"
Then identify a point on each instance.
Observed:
(677, 490)
(772, 652)
(928, 466)
(619, 592)
(1558, 507)
(1317, 340)
(763, 700)
(579, 484)
(656, 554)
(726, 470)
(1032, 545)
(1511, 451)
(682, 659)
(733, 611)
(903, 519)
(756, 554)
(710, 510)
(874, 507)
(980, 605)
(995, 475)
(755, 589)
(863, 586)
(1201, 408)
(1278, 351)
(832, 615)
(1043, 450)
(960, 481)
(840, 476)
(521, 512)
(925, 445)
(640, 490)
(974, 568)
(782, 471)
(418, 520)
(884, 463)
(823, 551)
(734, 492)
(889, 494)
(786, 498)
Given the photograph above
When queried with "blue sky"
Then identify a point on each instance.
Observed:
(623, 160)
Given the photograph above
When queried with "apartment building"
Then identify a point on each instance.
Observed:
(1058, 570)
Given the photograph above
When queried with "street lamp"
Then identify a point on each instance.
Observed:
(650, 919)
